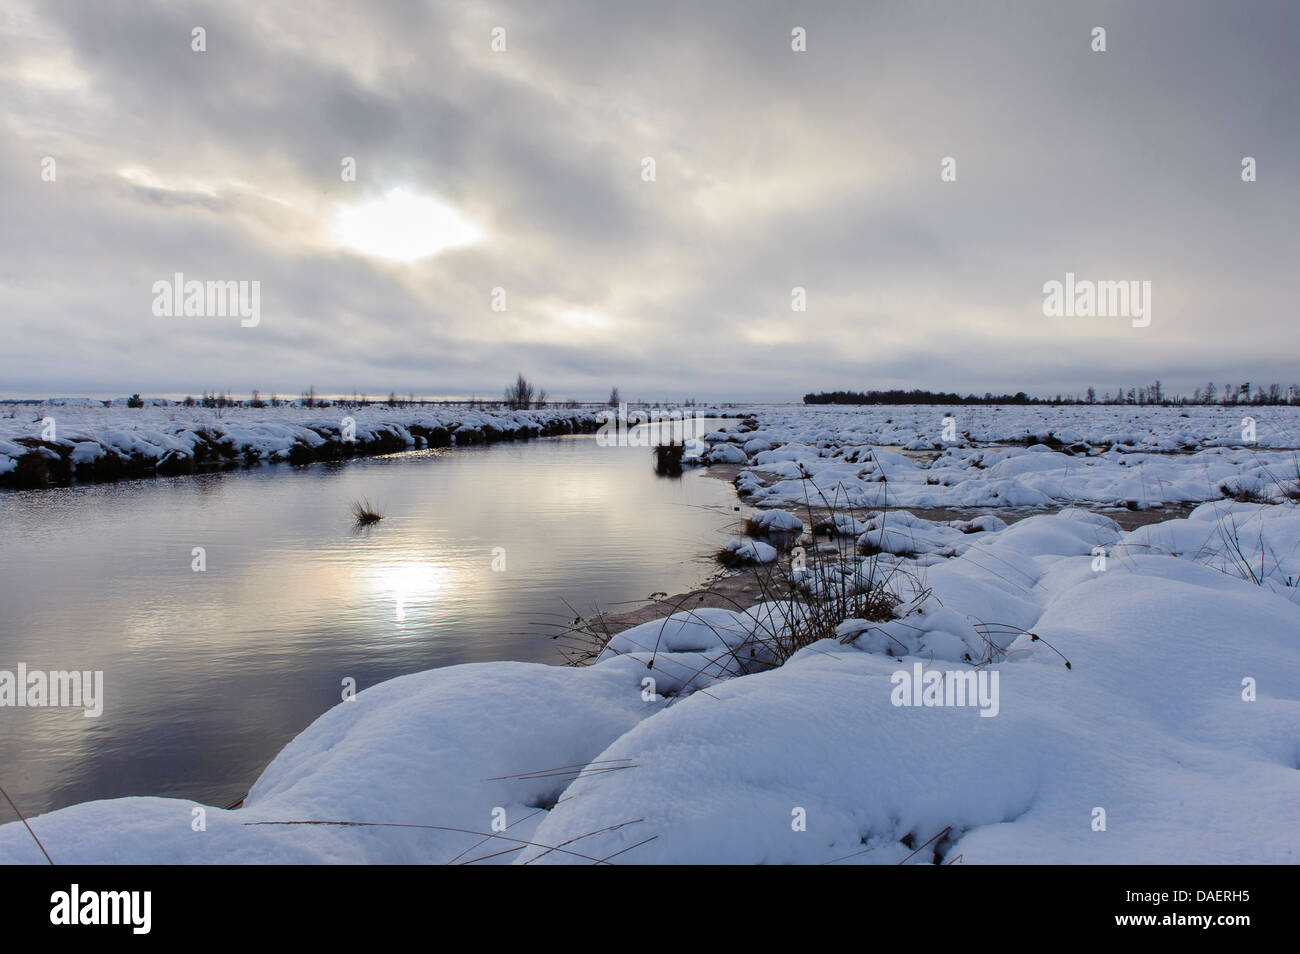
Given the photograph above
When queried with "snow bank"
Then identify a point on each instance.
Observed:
(1253, 542)
(431, 748)
(1148, 724)
(58, 442)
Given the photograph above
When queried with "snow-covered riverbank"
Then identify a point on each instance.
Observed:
(58, 443)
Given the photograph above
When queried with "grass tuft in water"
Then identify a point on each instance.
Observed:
(364, 514)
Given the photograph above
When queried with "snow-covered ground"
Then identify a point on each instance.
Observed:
(1172, 735)
(1102, 455)
(1154, 428)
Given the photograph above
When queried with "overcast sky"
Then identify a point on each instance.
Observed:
(773, 169)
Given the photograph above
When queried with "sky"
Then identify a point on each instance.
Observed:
(502, 218)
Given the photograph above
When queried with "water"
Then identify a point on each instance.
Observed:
(208, 674)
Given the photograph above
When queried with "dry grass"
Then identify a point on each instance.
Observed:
(1243, 494)
(807, 593)
(364, 514)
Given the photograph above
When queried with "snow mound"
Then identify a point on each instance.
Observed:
(777, 521)
(444, 747)
(750, 552)
(726, 454)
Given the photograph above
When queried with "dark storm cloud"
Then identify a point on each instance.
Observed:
(775, 169)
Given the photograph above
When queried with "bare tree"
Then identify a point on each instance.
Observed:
(519, 395)
(614, 398)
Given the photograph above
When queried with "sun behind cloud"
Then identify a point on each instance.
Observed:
(403, 227)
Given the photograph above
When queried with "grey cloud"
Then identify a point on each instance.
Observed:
(775, 169)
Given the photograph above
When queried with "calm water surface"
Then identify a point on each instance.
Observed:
(208, 674)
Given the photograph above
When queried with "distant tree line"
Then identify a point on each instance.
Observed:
(915, 396)
(1154, 393)
(521, 394)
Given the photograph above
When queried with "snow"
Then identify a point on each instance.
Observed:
(751, 551)
(1148, 723)
(1253, 542)
(444, 737)
(1110, 456)
(777, 521)
(726, 454)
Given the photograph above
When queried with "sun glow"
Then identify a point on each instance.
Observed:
(403, 227)
(410, 584)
